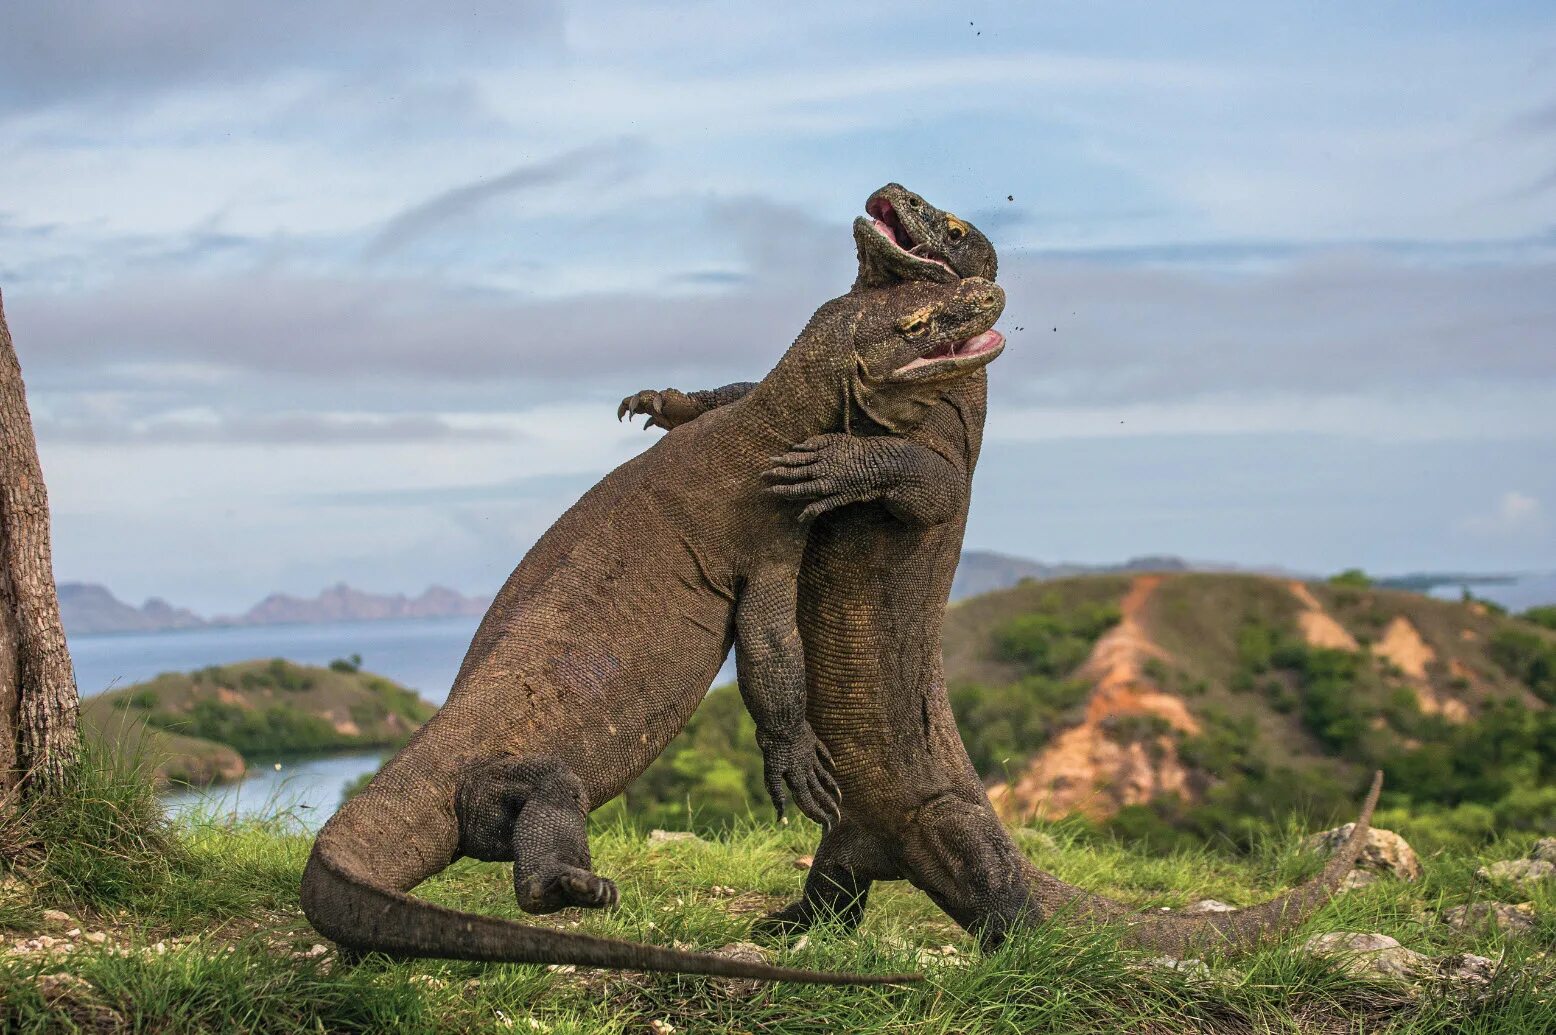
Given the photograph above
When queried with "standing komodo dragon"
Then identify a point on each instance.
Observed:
(873, 590)
(605, 639)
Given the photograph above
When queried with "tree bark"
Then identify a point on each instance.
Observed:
(38, 702)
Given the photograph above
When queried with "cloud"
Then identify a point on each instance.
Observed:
(594, 160)
(1515, 513)
(273, 429)
(1340, 322)
(91, 49)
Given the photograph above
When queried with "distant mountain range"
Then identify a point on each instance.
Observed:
(984, 571)
(87, 609)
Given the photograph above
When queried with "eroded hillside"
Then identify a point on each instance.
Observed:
(1244, 692)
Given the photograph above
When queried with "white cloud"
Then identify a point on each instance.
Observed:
(1515, 514)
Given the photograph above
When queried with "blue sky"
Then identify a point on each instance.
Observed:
(338, 290)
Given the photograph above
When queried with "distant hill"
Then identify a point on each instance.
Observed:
(1205, 701)
(984, 571)
(88, 609)
(341, 603)
(195, 728)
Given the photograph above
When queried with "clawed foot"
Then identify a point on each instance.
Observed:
(787, 922)
(831, 471)
(800, 764)
(667, 409)
(573, 887)
(590, 890)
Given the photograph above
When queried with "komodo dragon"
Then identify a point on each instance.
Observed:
(873, 590)
(571, 686)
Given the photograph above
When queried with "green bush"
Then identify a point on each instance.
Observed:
(1352, 578)
(1544, 617)
(1528, 657)
(1054, 639)
(1002, 725)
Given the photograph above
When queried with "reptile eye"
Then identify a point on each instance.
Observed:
(914, 325)
(955, 228)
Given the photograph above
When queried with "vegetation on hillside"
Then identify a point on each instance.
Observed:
(200, 931)
(195, 723)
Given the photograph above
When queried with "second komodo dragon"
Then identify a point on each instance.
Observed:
(872, 598)
(605, 639)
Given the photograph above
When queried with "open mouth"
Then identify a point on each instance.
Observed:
(889, 225)
(978, 345)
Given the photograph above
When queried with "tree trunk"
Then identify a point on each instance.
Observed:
(38, 702)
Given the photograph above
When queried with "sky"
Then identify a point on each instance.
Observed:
(348, 291)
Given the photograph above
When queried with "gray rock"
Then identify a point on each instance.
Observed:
(1521, 873)
(1358, 879)
(746, 952)
(1479, 916)
(1466, 969)
(1385, 851)
(1544, 850)
(1375, 956)
(663, 836)
(1208, 905)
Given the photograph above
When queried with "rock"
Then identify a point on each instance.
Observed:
(1478, 916)
(1379, 956)
(1208, 905)
(1466, 969)
(804, 862)
(1358, 879)
(57, 918)
(1370, 955)
(1195, 970)
(662, 836)
(746, 952)
(1544, 850)
(1521, 873)
(76, 998)
(96, 937)
(1384, 852)
(661, 1027)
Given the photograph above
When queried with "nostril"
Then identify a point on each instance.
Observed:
(914, 202)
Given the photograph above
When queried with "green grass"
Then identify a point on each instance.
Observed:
(222, 900)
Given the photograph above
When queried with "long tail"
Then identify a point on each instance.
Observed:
(1244, 929)
(348, 907)
(1235, 931)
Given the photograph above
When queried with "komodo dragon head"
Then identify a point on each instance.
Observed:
(912, 340)
(904, 237)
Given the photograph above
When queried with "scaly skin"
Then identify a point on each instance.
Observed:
(572, 686)
(873, 590)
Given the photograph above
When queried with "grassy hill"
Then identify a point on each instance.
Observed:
(1211, 702)
(196, 727)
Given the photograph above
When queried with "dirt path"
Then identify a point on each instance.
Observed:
(1086, 770)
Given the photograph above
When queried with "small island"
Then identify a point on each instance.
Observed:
(195, 729)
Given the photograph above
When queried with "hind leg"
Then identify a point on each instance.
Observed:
(958, 853)
(534, 812)
(847, 861)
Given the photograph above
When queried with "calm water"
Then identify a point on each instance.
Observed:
(423, 654)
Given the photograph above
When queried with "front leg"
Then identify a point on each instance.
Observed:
(770, 666)
(670, 408)
(915, 483)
